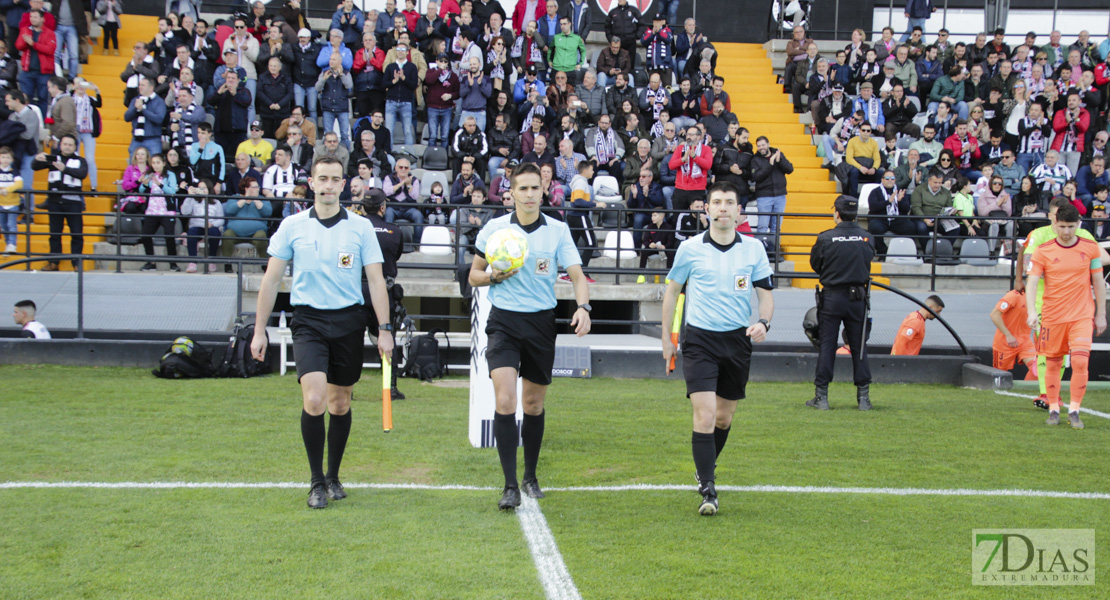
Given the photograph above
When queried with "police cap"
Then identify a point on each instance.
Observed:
(373, 200)
(846, 204)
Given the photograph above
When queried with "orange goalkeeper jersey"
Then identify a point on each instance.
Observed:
(1067, 279)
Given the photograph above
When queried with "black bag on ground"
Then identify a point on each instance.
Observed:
(238, 361)
(185, 359)
(423, 359)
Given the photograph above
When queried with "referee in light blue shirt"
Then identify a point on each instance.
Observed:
(330, 246)
(521, 327)
(720, 269)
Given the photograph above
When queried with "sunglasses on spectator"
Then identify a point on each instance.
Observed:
(889, 178)
(945, 159)
(240, 26)
(865, 130)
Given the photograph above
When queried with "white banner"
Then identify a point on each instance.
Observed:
(482, 400)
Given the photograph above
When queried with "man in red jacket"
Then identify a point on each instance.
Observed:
(691, 161)
(1071, 129)
(36, 44)
(965, 148)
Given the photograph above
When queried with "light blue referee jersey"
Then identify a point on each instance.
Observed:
(719, 280)
(328, 257)
(550, 248)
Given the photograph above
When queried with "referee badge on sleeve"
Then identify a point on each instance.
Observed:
(346, 260)
(739, 283)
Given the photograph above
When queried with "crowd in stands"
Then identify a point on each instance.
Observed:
(959, 133)
(241, 106)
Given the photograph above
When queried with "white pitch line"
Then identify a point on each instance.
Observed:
(1088, 411)
(557, 584)
(638, 487)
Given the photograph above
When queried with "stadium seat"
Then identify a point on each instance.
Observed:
(921, 119)
(627, 248)
(865, 193)
(944, 252)
(914, 100)
(435, 159)
(975, 252)
(430, 177)
(611, 214)
(902, 251)
(409, 152)
(210, 119)
(903, 142)
(129, 230)
(436, 239)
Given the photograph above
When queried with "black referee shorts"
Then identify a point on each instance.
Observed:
(329, 341)
(523, 341)
(716, 361)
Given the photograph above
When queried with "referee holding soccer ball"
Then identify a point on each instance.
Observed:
(330, 247)
(521, 327)
(720, 269)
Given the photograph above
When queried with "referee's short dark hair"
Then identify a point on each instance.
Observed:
(25, 304)
(725, 187)
(935, 299)
(524, 168)
(325, 160)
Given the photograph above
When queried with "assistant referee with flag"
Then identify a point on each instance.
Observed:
(330, 247)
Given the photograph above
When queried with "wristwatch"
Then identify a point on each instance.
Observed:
(586, 307)
(766, 324)
(385, 327)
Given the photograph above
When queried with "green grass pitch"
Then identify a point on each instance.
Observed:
(121, 425)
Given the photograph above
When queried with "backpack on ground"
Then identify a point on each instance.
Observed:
(185, 359)
(423, 359)
(238, 361)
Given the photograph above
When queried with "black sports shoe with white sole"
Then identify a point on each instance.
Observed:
(709, 503)
(510, 499)
(318, 496)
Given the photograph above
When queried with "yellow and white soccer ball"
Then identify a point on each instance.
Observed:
(506, 249)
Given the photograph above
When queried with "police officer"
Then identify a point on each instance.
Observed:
(842, 259)
(391, 241)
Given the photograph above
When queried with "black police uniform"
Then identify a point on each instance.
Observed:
(392, 244)
(842, 258)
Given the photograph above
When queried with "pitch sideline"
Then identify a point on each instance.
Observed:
(1093, 413)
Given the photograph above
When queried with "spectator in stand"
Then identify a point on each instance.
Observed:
(796, 52)
(1034, 131)
(711, 95)
(251, 214)
(146, 114)
(654, 98)
(898, 113)
(1068, 192)
(539, 154)
(917, 12)
(279, 181)
(996, 202)
(401, 79)
(206, 220)
(67, 170)
(469, 146)
(911, 172)
(605, 148)
(85, 128)
(207, 157)
(637, 162)
(10, 201)
(473, 216)
(716, 125)
(929, 71)
(474, 92)
(501, 141)
(427, 26)
(1090, 177)
(231, 101)
(107, 16)
(657, 236)
(644, 197)
(36, 45)
(443, 91)
(886, 203)
(559, 92)
(929, 200)
(1010, 172)
(928, 147)
(1051, 174)
(804, 70)
(348, 21)
(862, 157)
(245, 46)
(624, 22)
(835, 142)
(164, 44)
(659, 41)
(965, 150)
(136, 168)
(690, 224)
(297, 119)
(692, 161)
(274, 45)
(769, 170)
(386, 19)
(256, 147)
(403, 189)
(1097, 147)
(161, 210)
(62, 118)
(949, 88)
(684, 105)
(871, 107)
(334, 149)
(687, 45)
(529, 50)
(305, 73)
(612, 61)
(299, 151)
(334, 88)
(498, 66)
(370, 150)
(9, 69)
(1071, 126)
(579, 217)
(275, 97)
(819, 87)
(1098, 225)
(367, 69)
(567, 51)
(243, 168)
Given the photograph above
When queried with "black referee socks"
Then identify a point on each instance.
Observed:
(339, 427)
(704, 455)
(720, 436)
(312, 430)
(506, 436)
(531, 433)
